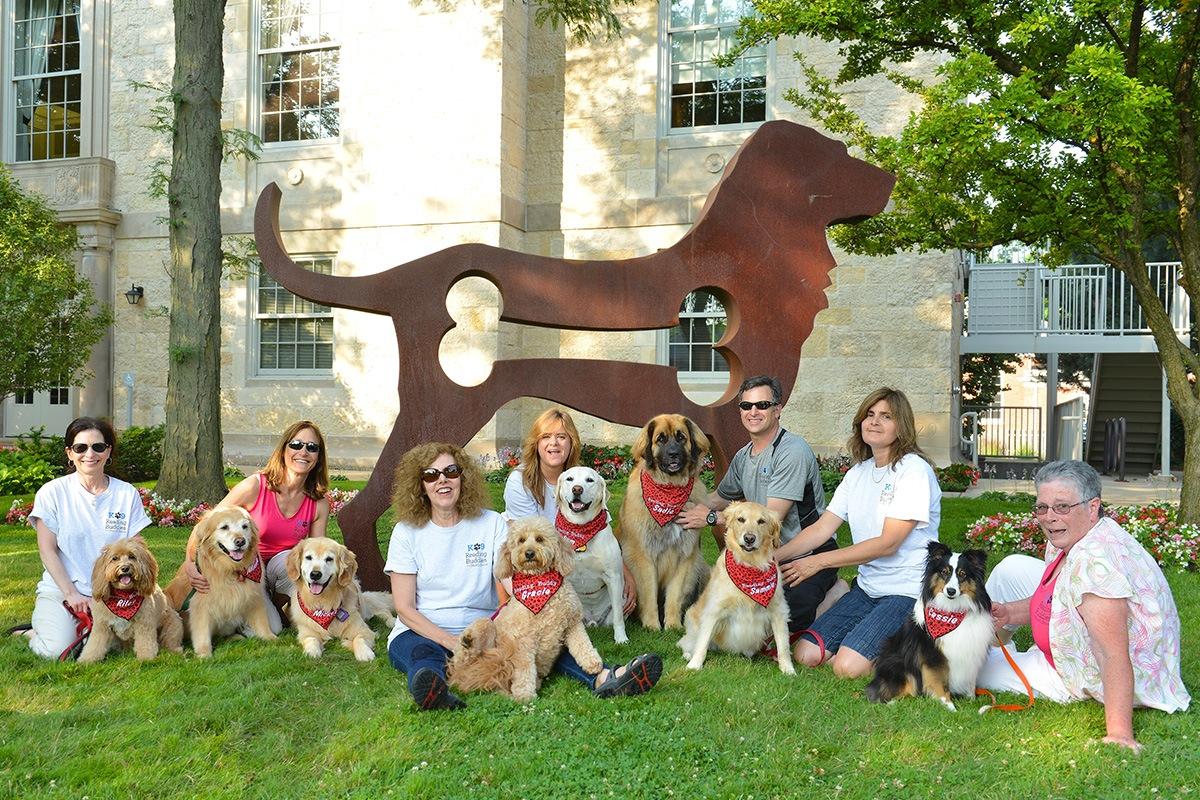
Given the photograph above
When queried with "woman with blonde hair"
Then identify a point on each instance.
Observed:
(441, 561)
(892, 501)
(287, 502)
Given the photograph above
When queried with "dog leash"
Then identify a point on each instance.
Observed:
(83, 627)
(1007, 706)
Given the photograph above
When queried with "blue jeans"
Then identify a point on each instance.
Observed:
(860, 622)
(410, 652)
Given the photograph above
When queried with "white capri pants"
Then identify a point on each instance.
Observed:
(1015, 578)
(53, 627)
(275, 580)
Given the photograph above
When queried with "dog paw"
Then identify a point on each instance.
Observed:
(949, 706)
(695, 665)
(365, 655)
(620, 638)
(787, 669)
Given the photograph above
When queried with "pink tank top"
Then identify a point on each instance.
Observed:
(1039, 609)
(275, 531)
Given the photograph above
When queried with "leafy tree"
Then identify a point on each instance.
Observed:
(192, 463)
(51, 316)
(980, 375)
(1071, 127)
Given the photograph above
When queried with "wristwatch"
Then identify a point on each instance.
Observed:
(711, 519)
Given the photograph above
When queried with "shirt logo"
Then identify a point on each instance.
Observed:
(476, 555)
(116, 522)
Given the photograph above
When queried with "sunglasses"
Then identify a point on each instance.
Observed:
(312, 447)
(761, 405)
(79, 448)
(431, 474)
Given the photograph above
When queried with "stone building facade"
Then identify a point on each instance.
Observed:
(397, 129)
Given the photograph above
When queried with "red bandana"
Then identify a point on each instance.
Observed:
(757, 584)
(580, 535)
(124, 603)
(253, 572)
(938, 622)
(664, 502)
(321, 616)
(534, 591)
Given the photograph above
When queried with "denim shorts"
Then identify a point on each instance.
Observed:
(860, 622)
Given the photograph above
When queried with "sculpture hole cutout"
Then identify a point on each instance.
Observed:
(695, 347)
(467, 351)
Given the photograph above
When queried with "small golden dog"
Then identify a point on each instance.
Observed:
(226, 547)
(663, 557)
(543, 615)
(743, 600)
(325, 599)
(128, 605)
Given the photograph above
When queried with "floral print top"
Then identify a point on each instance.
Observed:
(1108, 562)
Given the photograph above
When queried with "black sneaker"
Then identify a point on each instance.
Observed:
(429, 690)
(639, 677)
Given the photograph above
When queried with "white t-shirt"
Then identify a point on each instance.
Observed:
(518, 502)
(84, 524)
(868, 494)
(453, 566)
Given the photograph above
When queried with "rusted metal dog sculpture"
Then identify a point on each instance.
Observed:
(759, 246)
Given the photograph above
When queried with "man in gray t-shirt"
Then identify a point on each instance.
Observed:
(779, 470)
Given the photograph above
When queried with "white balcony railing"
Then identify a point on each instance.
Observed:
(1080, 299)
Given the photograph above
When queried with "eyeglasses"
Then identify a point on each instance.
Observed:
(431, 474)
(1041, 509)
(761, 405)
(312, 447)
(79, 448)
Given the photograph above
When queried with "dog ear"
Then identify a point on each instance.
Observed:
(977, 559)
(503, 567)
(100, 582)
(145, 570)
(253, 529)
(937, 551)
(292, 565)
(349, 567)
(604, 494)
(774, 528)
(641, 446)
(565, 558)
(700, 443)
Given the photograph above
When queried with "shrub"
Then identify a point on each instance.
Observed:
(139, 454)
(45, 448)
(610, 462)
(21, 473)
(956, 477)
(233, 472)
(18, 513)
(833, 469)
(338, 498)
(1172, 544)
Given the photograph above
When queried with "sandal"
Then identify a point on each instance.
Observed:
(20, 630)
(430, 692)
(639, 677)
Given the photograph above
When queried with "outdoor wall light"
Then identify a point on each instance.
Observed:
(134, 295)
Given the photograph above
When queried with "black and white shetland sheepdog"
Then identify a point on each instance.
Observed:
(940, 649)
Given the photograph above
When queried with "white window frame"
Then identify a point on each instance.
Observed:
(256, 317)
(664, 349)
(257, 94)
(664, 105)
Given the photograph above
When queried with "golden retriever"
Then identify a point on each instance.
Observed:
(744, 600)
(325, 598)
(128, 605)
(543, 615)
(226, 547)
(663, 557)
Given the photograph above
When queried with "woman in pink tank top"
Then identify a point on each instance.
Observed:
(287, 502)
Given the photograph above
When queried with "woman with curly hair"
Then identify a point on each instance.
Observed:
(287, 502)
(441, 560)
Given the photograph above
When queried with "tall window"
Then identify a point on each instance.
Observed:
(294, 335)
(47, 79)
(703, 94)
(701, 325)
(298, 55)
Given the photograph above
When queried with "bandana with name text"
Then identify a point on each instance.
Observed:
(534, 591)
(664, 502)
(939, 622)
(580, 535)
(124, 603)
(757, 584)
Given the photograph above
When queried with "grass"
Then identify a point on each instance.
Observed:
(260, 719)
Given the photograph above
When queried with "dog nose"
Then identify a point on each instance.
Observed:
(315, 575)
(529, 555)
(951, 591)
(577, 490)
(749, 539)
(239, 542)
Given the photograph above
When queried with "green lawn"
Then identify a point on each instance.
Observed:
(261, 720)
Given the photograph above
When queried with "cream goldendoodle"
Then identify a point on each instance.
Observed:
(530, 631)
(128, 605)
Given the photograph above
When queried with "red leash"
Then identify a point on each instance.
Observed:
(83, 627)
(1007, 706)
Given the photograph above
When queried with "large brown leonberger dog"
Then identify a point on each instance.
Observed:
(664, 558)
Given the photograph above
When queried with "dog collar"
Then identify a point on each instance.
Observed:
(124, 603)
(580, 535)
(534, 591)
(939, 622)
(757, 584)
(663, 501)
(253, 572)
(323, 616)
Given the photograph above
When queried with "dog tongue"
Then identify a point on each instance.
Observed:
(125, 580)
(316, 588)
(237, 555)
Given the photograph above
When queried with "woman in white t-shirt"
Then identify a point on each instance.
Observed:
(892, 501)
(75, 517)
(441, 560)
(551, 448)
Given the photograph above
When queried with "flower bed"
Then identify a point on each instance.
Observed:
(1171, 543)
(956, 477)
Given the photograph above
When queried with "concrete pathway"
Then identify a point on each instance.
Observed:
(1134, 490)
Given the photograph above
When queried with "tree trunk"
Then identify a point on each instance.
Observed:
(1189, 495)
(192, 465)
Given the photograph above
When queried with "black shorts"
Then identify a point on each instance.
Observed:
(804, 598)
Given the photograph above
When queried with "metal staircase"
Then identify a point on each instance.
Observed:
(1127, 385)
